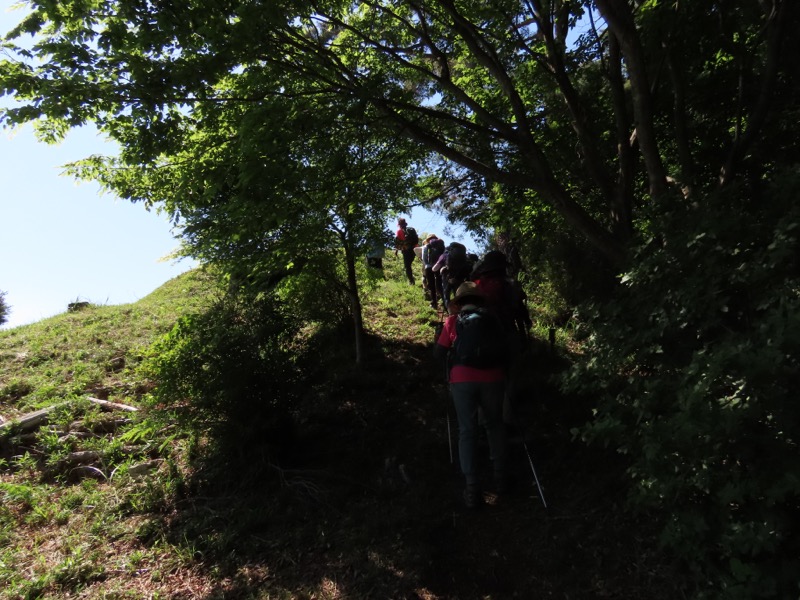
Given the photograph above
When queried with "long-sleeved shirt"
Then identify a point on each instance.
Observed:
(440, 263)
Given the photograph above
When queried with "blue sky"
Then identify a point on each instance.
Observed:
(61, 241)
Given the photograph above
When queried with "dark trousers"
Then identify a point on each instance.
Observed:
(470, 398)
(433, 282)
(408, 260)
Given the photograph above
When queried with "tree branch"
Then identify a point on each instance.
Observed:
(589, 142)
(620, 19)
(775, 35)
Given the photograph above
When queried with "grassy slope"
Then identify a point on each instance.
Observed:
(366, 504)
(92, 350)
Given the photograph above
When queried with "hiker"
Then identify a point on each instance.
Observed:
(440, 271)
(505, 298)
(431, 253)
(405, 240)
(375, 255)
(472, 339)
(503, 295)
(420, 252)
(455, 269)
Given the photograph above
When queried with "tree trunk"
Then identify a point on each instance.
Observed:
(355, 300)
(682, 139)
(620, 21)
(621, 211)
(757, 116)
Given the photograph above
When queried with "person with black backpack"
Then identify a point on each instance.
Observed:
(432, 251)
(505, 298)
(454, 267)
(406, 239)
(474, 342)
(503, 294)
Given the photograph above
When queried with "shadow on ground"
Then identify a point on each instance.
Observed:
(367, 503)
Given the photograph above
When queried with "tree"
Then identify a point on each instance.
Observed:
(5, 309)
(592, 127)
(263, 177)
(268, 190)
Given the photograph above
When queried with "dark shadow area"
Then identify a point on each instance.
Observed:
(365, 503)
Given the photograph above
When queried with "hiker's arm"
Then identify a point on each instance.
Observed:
(445, 340)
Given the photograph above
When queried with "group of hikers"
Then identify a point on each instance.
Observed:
(485, 324)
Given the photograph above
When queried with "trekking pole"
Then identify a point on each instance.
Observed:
(533, 470)
(521, 432)
(449, 436)
(447, 410)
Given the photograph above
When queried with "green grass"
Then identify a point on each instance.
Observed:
(65, 525)
(60, 520)
(397, 310)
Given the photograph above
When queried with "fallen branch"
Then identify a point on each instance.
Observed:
(29, 421)
(37, 418)
(80, 457)
(83, 457)
(112, 405)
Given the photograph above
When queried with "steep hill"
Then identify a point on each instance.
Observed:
(364, 502)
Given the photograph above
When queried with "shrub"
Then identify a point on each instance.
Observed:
(696, 366)
(5, 309)
(230, 372)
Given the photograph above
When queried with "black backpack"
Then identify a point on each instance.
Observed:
(435, 250)
(480, 340)
(412, 237)
(458, 267)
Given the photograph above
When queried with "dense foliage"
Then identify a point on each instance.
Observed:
(228, 375)
(591, 109)
(696, 368)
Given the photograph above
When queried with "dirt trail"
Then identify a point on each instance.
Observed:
(394, 517)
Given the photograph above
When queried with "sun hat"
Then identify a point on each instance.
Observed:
(430, 237)
(468, 289)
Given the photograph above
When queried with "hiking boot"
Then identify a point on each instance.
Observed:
(472, 496)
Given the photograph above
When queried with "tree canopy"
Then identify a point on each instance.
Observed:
(654, 102)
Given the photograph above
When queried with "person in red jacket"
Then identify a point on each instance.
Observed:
(406, 245)
(503, 295)
(476, 385)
